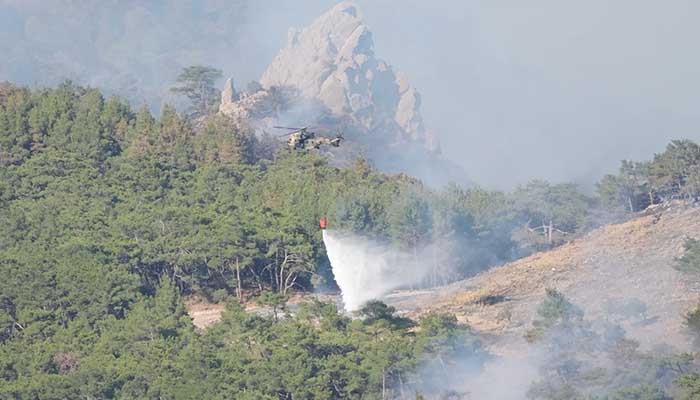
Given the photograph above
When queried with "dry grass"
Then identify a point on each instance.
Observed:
(485, 296)
(630, 261)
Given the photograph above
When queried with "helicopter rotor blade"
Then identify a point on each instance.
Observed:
(290, 128)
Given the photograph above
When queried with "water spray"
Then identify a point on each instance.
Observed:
(366, 270)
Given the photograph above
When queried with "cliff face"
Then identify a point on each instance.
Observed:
(333, 61)
(328, 77)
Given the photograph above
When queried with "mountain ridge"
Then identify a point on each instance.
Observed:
(328, 77)
(333, 60)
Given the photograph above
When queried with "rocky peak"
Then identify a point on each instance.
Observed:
(228, 95)
(332, 60)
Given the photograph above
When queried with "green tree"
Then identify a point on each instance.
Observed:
(692, 324)
(555, 311)
(550, 210)
(641, 392)
(274, 300)
(689, 262)
(197, 84)
(409, 217)
(223, 141)
(673, 173)
(628, 190)
(689, 385)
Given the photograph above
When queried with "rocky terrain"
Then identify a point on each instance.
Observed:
(328, 77)
(333, 60)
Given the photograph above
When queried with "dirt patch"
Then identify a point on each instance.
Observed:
(203, 314)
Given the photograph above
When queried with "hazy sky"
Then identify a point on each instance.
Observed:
(557, 89)
(549, 88)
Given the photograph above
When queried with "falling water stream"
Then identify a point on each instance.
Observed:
(365, 270)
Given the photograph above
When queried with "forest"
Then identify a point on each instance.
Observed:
(110, 216)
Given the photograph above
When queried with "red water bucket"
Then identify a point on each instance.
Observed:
(322, 223)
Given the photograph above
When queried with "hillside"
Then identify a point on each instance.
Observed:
(612, 272)
(111, 216)
(266, 241)
(621, 272)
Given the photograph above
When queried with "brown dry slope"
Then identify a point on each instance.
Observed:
(621, 272)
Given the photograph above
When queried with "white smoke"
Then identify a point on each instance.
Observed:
(365, 270)
(502, 378)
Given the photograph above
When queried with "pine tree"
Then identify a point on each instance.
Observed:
(197, 84)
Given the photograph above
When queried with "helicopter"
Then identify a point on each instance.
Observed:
(302, 138)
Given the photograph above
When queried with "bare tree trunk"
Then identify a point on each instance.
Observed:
(287, 284)
(257, 279)
(629, 201)
(550, 232)
(415, 262)
(435, 266)
(383, 384)
(280, 278)
(239, 286)
(442, 364)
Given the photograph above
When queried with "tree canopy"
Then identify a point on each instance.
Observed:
(197, 83)
(109, 216)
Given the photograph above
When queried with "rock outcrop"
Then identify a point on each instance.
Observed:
(248, 106)
(251, 106)
(333, 61)
(329, 78)
(228, 95)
